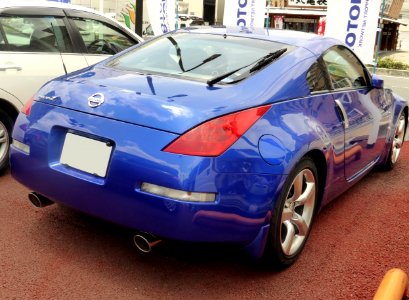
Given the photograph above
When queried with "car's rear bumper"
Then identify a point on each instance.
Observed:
(243, 199)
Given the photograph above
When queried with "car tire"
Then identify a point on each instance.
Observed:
(397, 143)
(6, 125)
(293, 215)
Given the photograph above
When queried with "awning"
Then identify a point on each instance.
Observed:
(399, 21)
(300, 12)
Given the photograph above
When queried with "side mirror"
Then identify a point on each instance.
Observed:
(377, 82)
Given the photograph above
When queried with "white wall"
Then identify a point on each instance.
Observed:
(109, 5)
(405, 16)
(195, 6)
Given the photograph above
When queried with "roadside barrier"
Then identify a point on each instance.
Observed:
(393, 286)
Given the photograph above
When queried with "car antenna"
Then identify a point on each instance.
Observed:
(58, 46)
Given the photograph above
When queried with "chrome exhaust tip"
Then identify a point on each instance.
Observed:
(145, 242)
(38, 200)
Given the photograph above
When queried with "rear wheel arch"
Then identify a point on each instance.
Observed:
(313, 165)
(321, 164)
(397, 140)
(293, 213)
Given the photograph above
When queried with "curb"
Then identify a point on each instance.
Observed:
(393, 286)
(390, 72)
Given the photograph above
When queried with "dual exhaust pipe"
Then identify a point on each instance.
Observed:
(143, 241)
(39, 200)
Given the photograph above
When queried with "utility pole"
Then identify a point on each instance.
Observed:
(138, 17)
(268, 16)
(378, 44)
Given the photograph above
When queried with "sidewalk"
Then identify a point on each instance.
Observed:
(398, 55)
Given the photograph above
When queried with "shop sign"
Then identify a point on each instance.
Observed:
(311, 3)
(162, 15)
(355, 23)
(244, 13)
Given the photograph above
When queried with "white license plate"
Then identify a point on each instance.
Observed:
(88, 155)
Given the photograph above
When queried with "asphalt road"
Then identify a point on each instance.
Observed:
(57, 253)
(399, 85)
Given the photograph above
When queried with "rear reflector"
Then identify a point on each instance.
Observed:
(214, 137)
(177, 194)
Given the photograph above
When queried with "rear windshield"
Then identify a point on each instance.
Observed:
(199, 56)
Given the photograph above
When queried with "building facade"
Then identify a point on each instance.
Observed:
(403, 43)
(310, 16)
(123, 10)
(300, 15)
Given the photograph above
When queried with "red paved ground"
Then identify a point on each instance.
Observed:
(56, 253)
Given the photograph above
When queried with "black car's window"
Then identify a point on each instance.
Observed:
(200, 56)
(345, 70)
(99, 38)
(36, 34)
(316, 79)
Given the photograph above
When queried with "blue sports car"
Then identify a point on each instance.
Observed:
(211, 135)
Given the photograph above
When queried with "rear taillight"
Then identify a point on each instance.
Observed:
(27, 107)
(213, 137)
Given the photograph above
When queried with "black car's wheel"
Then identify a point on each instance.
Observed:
(397, 142)
(293, 215)
(6, 125)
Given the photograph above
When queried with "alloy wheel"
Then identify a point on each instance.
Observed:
(398, 139)
(298, 211)
(4, 141)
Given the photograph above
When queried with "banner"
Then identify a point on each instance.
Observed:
(247, 13)
(278, 22)
(162, 15)
(354, 22)
(321, 25)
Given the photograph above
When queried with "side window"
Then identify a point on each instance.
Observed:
(345, 70)
(316, 79)
(99, 38)
(2, 41)
(35, 34)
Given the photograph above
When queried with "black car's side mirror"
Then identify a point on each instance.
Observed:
(377, 82)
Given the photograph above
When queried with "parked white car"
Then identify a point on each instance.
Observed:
(41, 40)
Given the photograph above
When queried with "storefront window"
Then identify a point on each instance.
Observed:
(299, 24)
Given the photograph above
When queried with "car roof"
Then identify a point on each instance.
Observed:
(311, 41)
(54, 4)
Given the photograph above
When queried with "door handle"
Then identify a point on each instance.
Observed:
(10, 67)
(342, 113)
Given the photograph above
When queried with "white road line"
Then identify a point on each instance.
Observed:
(399, 87)
(390, 76)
